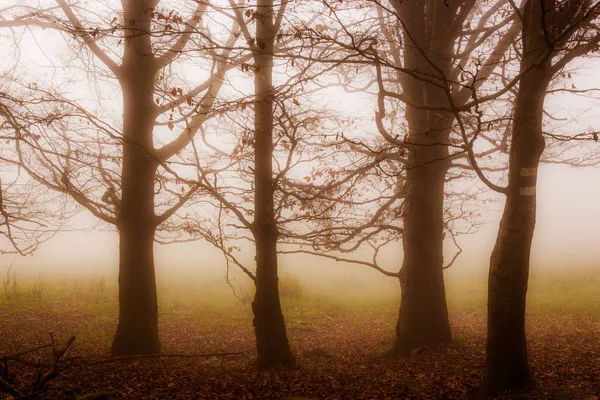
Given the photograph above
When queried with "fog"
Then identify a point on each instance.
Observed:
(251, 133)
(566, 238)
(566, 234)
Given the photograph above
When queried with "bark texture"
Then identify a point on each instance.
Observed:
(137, 332)
(271, 338)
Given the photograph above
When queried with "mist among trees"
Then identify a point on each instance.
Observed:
(372, 135)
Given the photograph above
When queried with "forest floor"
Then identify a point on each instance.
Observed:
(340, 342)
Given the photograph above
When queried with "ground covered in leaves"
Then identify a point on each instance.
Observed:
(340, 345)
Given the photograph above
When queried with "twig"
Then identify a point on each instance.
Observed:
(39, 384)
(29, 351)
(142, 356)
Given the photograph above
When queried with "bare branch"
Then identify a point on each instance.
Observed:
(89, 40)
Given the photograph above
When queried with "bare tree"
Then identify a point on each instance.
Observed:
(249, 181)
(429, 59)
(435, 53)
(271, 339)
(151, 38)
(553, 34)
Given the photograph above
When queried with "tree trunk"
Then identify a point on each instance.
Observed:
(271, 338)
(507, 367)
(423, 316)
(137, 332)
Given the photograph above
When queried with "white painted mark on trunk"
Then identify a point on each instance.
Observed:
(527, 191)
(529, 171)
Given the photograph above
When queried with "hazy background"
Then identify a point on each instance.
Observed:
(567, 233)
(567, 237)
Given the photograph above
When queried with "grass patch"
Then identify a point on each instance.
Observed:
(552, 292)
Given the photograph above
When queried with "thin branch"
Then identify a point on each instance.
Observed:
(89, 40)
(178, 144)
(346, 260)
(184, 38)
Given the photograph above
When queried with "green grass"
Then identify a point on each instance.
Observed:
(573, 292)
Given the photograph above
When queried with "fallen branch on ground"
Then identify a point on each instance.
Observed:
(143, 356)
(39, 385)
(52, 368)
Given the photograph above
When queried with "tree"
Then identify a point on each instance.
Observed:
(253, 200)
(553, 34)
(152, 39)
(431, 57)
(271, 338)
(431, 31)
